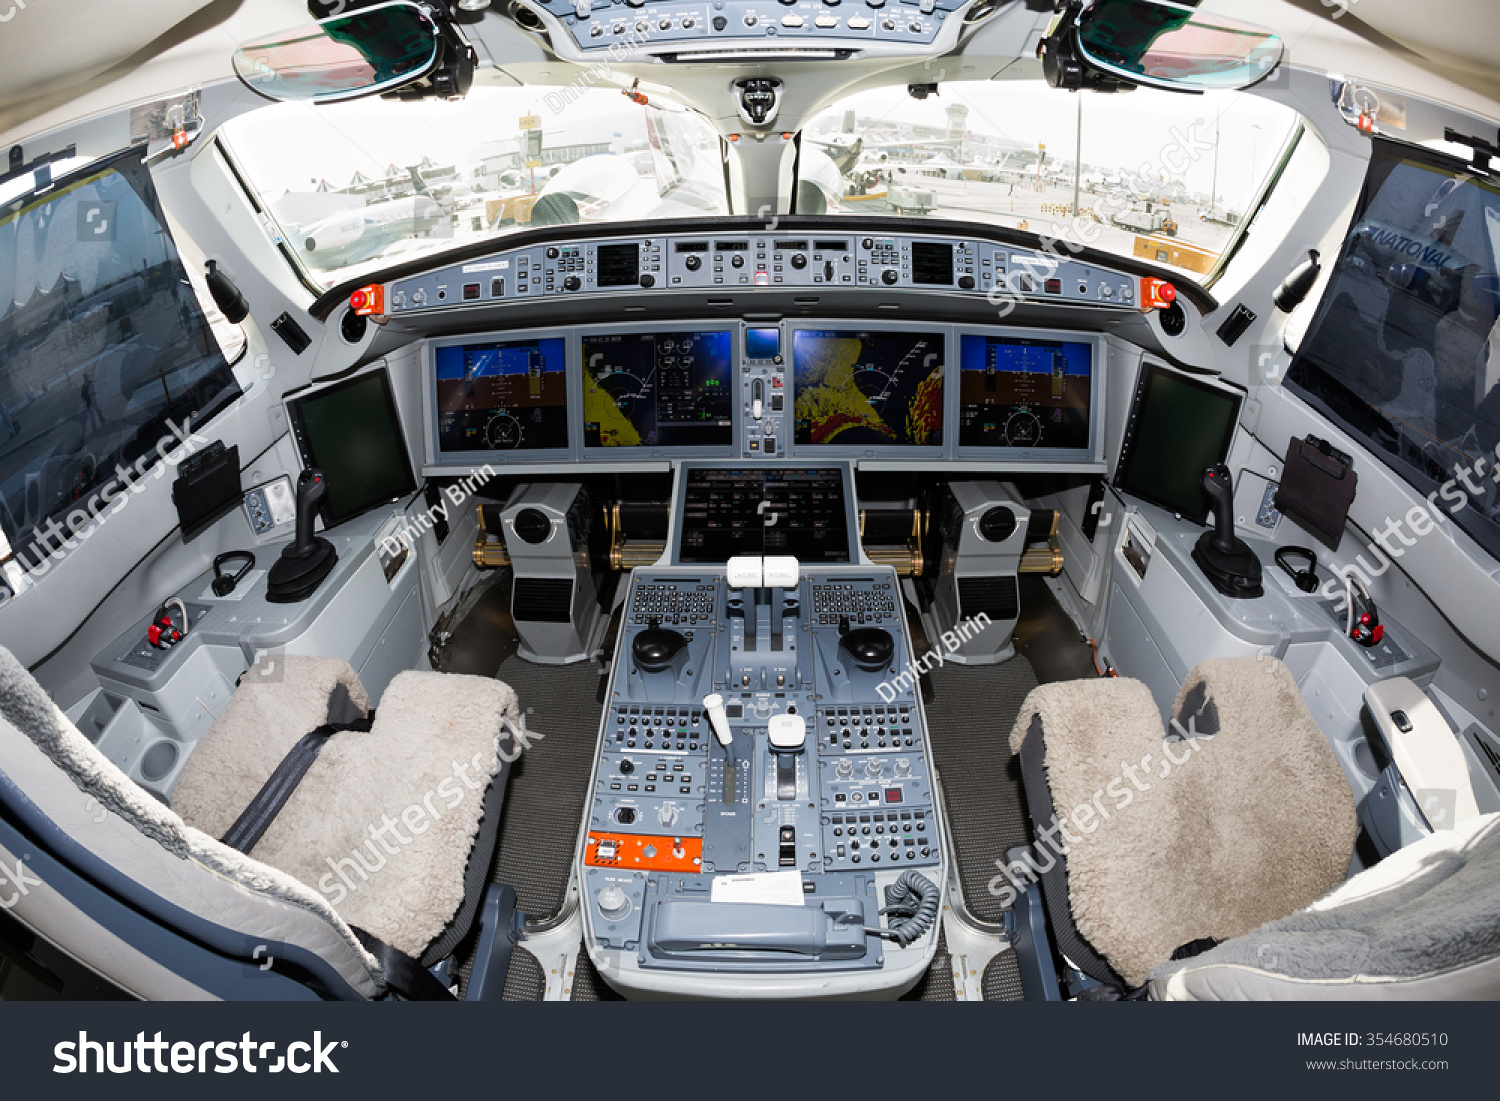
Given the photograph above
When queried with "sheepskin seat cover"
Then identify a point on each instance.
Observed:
(1172, 841)
(383, 822)
(1423, 924)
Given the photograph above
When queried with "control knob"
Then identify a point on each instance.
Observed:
(844, 769)
(799, 260)
(889, 276)
(693, 263)
(613, 902)
(903, 767)
(874, 767)
(572, 283)
(667, 815)
(965, 282)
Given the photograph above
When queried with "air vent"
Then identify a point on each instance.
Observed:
(981, 11)
(997, 597)
(526, 18)
(543, 600)
(1485, 751)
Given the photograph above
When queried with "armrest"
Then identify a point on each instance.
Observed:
(1425, 750)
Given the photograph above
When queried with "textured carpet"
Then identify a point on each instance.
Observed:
(588, 984)
(525, 981)
(969, 719)
(548, 782)
(1002, 980)
(937, 984)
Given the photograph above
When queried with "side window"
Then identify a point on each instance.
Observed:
(1405, 349)
(107, 362)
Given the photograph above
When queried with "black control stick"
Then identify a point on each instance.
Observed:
(1219, 486)
(1226, 559)
(309, 558)
(311, 489)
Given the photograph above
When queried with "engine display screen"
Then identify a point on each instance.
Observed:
(619, 265)
(1025, 392)
(932, 263)
(501, 396)
(867, 389)
(800, 511)
(658, 390)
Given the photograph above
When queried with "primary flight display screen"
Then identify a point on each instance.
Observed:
(864, 389)
(1031, 392)
(501, 396)
(801, 511)
(658, 390)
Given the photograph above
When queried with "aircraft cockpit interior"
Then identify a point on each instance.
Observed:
(579, 500)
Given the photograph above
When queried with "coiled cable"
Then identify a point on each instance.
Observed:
(911, 904)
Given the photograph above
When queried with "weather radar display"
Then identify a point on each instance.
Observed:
(506, 396)
(862, 389)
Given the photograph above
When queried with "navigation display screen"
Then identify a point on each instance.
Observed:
(799, 511)
(1024, 392)
(501, 395)
(864, 389)
(658, 390)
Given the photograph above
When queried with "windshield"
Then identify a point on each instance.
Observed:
(351, 187)
(1156, 175)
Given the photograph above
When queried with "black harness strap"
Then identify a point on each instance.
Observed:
(403, 974)
(262, 810)
(1070, 941)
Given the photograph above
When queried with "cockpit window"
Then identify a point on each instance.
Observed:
(1155, 175)
(107, 362)
(352, 187)
(1405, 349)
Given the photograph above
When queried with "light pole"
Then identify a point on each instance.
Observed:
(1077, 152)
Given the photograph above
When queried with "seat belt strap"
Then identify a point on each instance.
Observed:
(403, 974)
(262, 810)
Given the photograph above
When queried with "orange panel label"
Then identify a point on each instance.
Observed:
(647, 852)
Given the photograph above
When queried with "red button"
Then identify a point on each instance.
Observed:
(153, 635)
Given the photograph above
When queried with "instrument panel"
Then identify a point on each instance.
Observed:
(740, 260)
(650, 394)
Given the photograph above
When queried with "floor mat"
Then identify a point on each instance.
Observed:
(525, 981)
(937, 984)
(548, 782)
(969, 720)
(1002, 980)
(588, 984)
